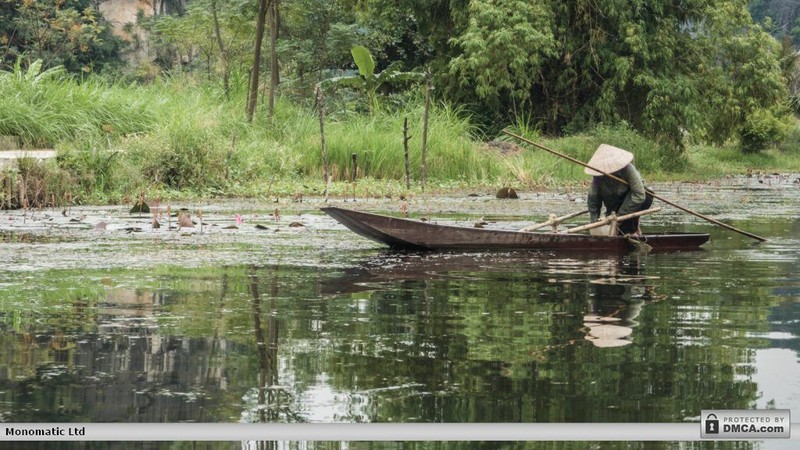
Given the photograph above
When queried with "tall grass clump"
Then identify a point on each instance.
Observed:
(45, 108)
(92, 165)
(187, 149)
(377, 140)
(708, 162)
(258, 154)
(650, 155)
(537, 167)
(35, 184)
(157, 136)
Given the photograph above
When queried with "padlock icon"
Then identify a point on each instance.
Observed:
(712, 425)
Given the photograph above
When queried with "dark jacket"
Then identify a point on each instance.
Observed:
(615, 196)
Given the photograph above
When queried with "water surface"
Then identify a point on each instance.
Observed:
(302, 321)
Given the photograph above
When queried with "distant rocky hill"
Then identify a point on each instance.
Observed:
(119, 13)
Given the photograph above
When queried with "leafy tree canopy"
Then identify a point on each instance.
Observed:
(60, 32)
(698, 67)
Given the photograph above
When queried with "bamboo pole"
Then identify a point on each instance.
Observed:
(612, 218)
(649, 192)
(554, 221)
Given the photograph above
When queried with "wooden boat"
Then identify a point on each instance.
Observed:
(400, 233)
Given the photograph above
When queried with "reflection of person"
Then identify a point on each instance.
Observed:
(609, 330)
(615, 301)
(617, 197)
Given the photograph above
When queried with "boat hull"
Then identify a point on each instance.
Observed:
(401, 233)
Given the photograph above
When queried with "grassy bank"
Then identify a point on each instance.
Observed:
(179, 137)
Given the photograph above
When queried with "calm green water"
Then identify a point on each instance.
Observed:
(350, 332)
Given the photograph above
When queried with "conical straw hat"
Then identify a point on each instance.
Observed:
(608, 159)
(607, 335)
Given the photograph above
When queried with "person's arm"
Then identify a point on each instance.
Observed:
(636, 194)
(593, 200)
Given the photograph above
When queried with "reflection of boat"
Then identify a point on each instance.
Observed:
(609, 276)
(390, 267)
(412, 234)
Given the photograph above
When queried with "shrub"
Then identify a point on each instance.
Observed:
(763, 129)
(37, 184)
(791, 144)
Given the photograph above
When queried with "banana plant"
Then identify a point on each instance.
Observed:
(33, 74)
(367, 80)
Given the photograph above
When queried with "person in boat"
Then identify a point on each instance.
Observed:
(615, 196)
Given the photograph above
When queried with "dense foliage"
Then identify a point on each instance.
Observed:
(672, 74)
(781, 17)
(700, 68)
(60, 32)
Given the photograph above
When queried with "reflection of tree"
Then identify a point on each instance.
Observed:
(216, 367)
(272, 403)
(504, 341)
(783, 317)
(783, 320)
(267, 349)
(437, 338)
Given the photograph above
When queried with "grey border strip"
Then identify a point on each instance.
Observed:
(351, 432)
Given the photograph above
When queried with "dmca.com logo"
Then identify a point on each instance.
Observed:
(745, 424)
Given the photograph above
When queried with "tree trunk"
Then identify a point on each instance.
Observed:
(273, 61)
(223, 52)
(252, 97)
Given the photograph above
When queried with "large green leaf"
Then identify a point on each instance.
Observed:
(364, 61)
(355, 82)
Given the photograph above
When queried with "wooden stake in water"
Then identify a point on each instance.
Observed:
(423, 173)
(229, 157)
(354, 174)
(406, 137)
(321, 108)
(23, 199)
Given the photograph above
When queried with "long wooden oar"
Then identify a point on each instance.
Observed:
(695, 213)
(554, 220)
